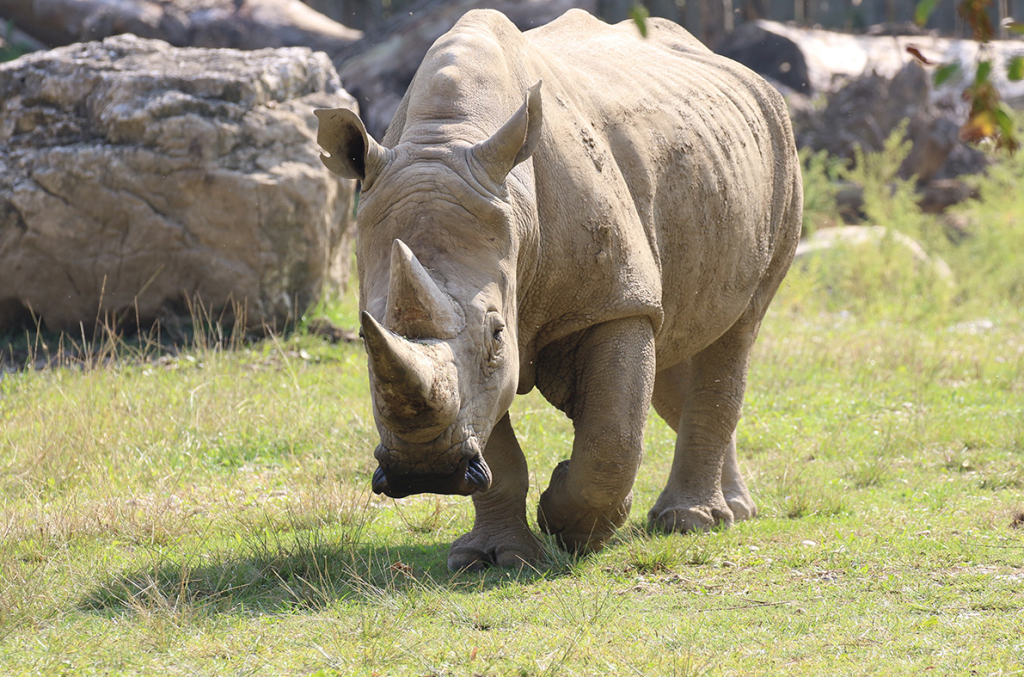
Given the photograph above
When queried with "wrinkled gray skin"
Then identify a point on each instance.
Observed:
(616, 247)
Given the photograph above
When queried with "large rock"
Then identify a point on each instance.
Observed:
(865, 111)
(237, 24)
(774, 56)
(845, 238)
(868, 85)
(831, 58)
(137, 179)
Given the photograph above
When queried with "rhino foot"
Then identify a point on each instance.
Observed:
(578, 526)
(742, 505)
(688, 516)
(508, 548)
(737, 496)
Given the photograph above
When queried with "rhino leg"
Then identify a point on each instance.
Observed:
(607, 392)
(669, 399)
(734, 488)
(701, 400)
(500, 535)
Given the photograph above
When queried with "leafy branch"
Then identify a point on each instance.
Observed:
(989, 116)
(639, 14)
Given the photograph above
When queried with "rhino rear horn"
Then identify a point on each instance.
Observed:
(514, 142)
(416, 387)
(350, 151)
(417, 307)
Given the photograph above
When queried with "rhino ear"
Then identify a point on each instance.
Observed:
(351, 152)
(515, 141)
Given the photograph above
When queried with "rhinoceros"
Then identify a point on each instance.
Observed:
(614, 247)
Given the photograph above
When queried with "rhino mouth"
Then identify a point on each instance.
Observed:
(470, 476)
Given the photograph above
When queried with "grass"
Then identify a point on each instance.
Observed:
(208, 512)
(10, 48)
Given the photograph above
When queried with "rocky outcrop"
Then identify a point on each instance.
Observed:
(774, 56)
(237, 24)
(868, 84)
(138, 179)
(831, 58)
(864, 112)
(876, 237)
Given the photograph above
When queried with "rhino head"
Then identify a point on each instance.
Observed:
(436, 252)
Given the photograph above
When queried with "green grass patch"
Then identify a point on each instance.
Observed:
(208, 512)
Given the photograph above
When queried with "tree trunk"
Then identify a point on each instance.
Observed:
(712, 19)
(755, 9)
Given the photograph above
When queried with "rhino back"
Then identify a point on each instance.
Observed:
(665, 184)
(668, 173)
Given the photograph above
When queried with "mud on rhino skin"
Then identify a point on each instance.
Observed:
(578, 209)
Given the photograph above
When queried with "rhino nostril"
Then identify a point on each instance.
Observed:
(379, 483)
(382, 454)
(478, 474)
(469, 476)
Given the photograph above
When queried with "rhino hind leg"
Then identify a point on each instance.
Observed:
(701, 400)
(611, 377)
(500, 535)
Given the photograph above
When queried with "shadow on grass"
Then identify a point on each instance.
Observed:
(26, 343)
(310, 574)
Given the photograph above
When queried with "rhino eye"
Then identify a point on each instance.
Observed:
(497, 327)
(494, 347)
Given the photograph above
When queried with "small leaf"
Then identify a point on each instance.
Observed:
(1015, 69)
(1004, 120)
(916, 53)
(945, 72)
(924, 10)
(1013, 26)
(979, 127)
(984, 68)
(639, 16)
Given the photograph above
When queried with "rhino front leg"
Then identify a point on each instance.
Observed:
(500, 535)
(705, 486)
(608, 391)
(734, 488)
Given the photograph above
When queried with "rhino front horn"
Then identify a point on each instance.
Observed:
(417, 307)
(415, 384)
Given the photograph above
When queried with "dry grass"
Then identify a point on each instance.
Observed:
(209, 513)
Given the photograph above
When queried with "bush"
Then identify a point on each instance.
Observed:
(885, 278)
(988, 261)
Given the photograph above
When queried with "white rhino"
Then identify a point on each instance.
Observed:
(614, 248)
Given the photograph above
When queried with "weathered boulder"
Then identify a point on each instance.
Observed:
(875, 237)
(238, 24)
(137, 179)
(832, 57)
(869, 84)
(864, 112)
(774, 56)
(933, 197)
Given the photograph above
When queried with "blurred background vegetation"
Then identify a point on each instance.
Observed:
(974, 241)
(710, 19)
